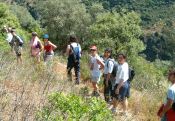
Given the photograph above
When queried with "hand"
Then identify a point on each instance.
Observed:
(117, 91)
(161, 114)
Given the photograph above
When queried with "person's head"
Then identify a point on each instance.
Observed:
(72, 38)
(121, 58)
(108, 53)
(9, 29)
(171, 76)
(5, 29)
(13, 31)
(34, 34)
(45, 37)
(93, 50)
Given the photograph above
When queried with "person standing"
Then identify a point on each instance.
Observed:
(35, 47)
(120, 92)
(9, 36)
(49, 48)
(109, 65)
(96, 64)
(17, 43)
(74, 55)
(167, 110)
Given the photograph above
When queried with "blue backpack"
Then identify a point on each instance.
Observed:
(76, 53)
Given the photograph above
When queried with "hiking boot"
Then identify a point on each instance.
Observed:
(113, 110)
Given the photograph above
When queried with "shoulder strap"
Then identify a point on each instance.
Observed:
(108, 62)
(72, 48)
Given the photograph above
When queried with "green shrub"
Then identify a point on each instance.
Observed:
(72, 107)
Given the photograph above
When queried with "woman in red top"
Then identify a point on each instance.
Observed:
(48, 48)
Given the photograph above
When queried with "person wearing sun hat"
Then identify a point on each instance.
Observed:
(96, 64)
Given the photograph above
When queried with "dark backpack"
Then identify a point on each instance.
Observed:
(21, 41)
(76, 52)
(131, 74)
(115, 68)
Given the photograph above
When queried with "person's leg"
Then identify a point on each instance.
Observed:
(20, 59)
(94, 84)
(123, 94)
(105, 89)
(77, 72)
(125, 105)
(38, 58)
(69, 69)
(115, 96)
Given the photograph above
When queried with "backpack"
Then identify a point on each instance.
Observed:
(115, 67)
(21, 42)
(131, 74)
(76, 53)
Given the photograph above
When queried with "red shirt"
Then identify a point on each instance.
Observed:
(48, 47)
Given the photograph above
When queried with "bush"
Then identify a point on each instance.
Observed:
(73, 107)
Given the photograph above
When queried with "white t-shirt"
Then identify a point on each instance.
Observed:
(74, 44)
(9, 37)
(96, 67)
(122, 73)
(171, 93)
(108, 66)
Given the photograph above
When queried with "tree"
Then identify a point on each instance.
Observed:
(64, 17)
(120, 31)
(25, 18)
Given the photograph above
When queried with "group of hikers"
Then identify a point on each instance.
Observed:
(36, 46)
(117, 74)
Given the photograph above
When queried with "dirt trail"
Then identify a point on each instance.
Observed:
(60, 68)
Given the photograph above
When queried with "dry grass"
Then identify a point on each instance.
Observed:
(24, 90)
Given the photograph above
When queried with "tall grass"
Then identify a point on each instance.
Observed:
(24, 89)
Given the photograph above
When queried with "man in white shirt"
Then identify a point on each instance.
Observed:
(74, 54)
(109, 65)
(120, 91)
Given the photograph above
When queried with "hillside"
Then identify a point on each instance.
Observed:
(25, 90)
(141, 29)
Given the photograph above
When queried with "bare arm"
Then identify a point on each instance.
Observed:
(119, 86)
(102, 65)
(68, 51)
(53, 45)
(167, 107)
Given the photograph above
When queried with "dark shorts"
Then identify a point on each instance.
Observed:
(123, 92)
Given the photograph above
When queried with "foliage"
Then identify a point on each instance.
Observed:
(118, 31)
(160, 45)
(72, 107)
(62, 18)
(25, 18)
(6, 19)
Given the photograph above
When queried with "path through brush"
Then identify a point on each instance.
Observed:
(60, 68)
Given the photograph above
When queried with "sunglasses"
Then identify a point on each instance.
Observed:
(93, 50)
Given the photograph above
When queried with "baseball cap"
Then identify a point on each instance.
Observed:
(93, 47)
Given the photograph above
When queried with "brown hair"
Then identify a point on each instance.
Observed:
(123, 55)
